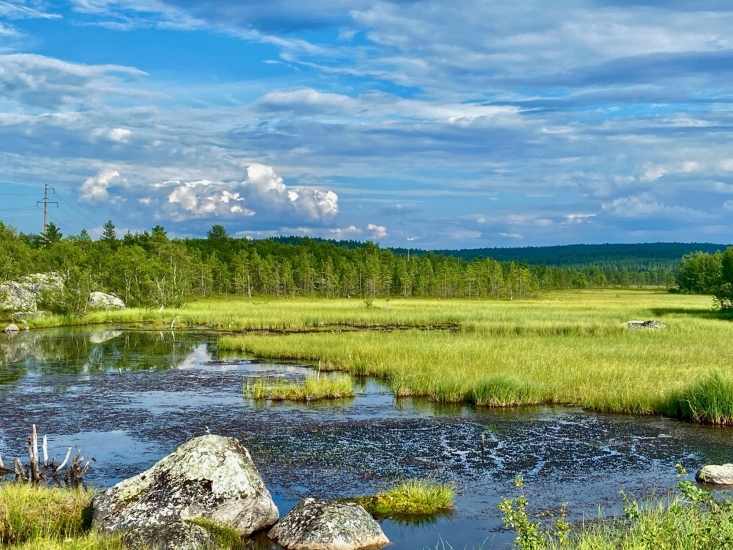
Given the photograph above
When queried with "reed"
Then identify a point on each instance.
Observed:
(410, 498)
(707, 401)
(313, 388)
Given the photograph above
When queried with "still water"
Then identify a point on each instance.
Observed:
(129, 397)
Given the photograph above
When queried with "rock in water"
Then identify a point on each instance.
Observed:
(175, 535)
(317, 525)
(644, 324)
(100, 300)
(717, 475)
(12, 327)
(209, 477)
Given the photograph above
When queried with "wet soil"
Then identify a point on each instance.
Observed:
(129, 398)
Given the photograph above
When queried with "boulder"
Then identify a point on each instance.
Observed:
(644, 324)
(317, 525)
(716, 475)
(22, 295)
(209, 477)
(174, 535)
(12, 327)
(100, 300)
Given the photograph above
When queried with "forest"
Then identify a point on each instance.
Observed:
(150, 269)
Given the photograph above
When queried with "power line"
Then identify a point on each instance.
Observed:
(78, 212)
(73, 218)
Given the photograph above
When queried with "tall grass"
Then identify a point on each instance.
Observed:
(410, 498)
(313, 388)
(29, 512)
(572, 349)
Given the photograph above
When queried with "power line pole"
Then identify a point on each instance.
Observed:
(46, 202)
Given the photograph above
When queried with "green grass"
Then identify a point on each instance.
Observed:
(567, 348)
(410, 498)
(313, 388)
(30, 512)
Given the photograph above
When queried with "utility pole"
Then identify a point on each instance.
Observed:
(46, 202)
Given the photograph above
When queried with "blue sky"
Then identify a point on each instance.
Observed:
(434, 124)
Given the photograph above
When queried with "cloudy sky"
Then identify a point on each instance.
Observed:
(423, 123)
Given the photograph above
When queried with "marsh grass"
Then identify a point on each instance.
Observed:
(29, 512)
(410, 498)
(313, 388)
(708, 401)
(225, 537)
(567, 348)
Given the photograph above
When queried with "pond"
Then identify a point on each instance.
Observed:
(129, 397)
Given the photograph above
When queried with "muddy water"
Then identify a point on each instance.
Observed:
(131, 397)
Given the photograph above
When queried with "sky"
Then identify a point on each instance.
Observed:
(423, 124)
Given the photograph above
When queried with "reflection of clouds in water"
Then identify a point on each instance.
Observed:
(194, 360)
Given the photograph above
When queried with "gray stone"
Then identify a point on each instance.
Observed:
(644, 324)
(209, 477)
(317, 525)
(22, 295)
(21, 315)
(101, 300)
(716, 475)
(175, 535)
(12, 327)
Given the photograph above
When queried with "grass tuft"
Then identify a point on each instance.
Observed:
(410, 498)
(225, 537)
(502, 390)
(313, 388)
(708, 401)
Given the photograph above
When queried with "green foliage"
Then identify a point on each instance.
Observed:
(413, 497)
(53, 234)
(700, 273)
(532, 533)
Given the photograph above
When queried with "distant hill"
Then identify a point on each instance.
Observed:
(630, 256)
(634, 257)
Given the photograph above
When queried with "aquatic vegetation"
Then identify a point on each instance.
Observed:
(410, 498)
(29, 512)
(313, 388)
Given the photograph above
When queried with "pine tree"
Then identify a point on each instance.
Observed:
(109, 234)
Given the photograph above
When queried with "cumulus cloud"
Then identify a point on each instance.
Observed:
(345, 232)
(378, 231)
(511, 235)
(95, 188)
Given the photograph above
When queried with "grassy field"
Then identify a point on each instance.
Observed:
(566, 348)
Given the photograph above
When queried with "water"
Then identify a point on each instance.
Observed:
(131, 397)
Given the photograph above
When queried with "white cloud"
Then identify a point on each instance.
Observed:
(645, 206)
(378, 231)
(511, 235)
(119, 135)
(94, 189)
(341, 233)
(728, 205)
(690, 166)
(578, 218)
(727, 164)
(653, 173)
(721, 187)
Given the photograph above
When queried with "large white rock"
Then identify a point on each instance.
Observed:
(318, 525)
(636, 325)
(22, 295)
(209, 477)
(101, 300)
(716, 474)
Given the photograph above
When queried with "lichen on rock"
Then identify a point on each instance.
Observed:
(318, 525)
(209, 477)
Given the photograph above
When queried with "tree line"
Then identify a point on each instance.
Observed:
(149, 269)
(708, 273)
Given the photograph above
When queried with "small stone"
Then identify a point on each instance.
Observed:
(716, 474)
(318, 525)
(174, 535)
(12, 327)
(644, 324)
